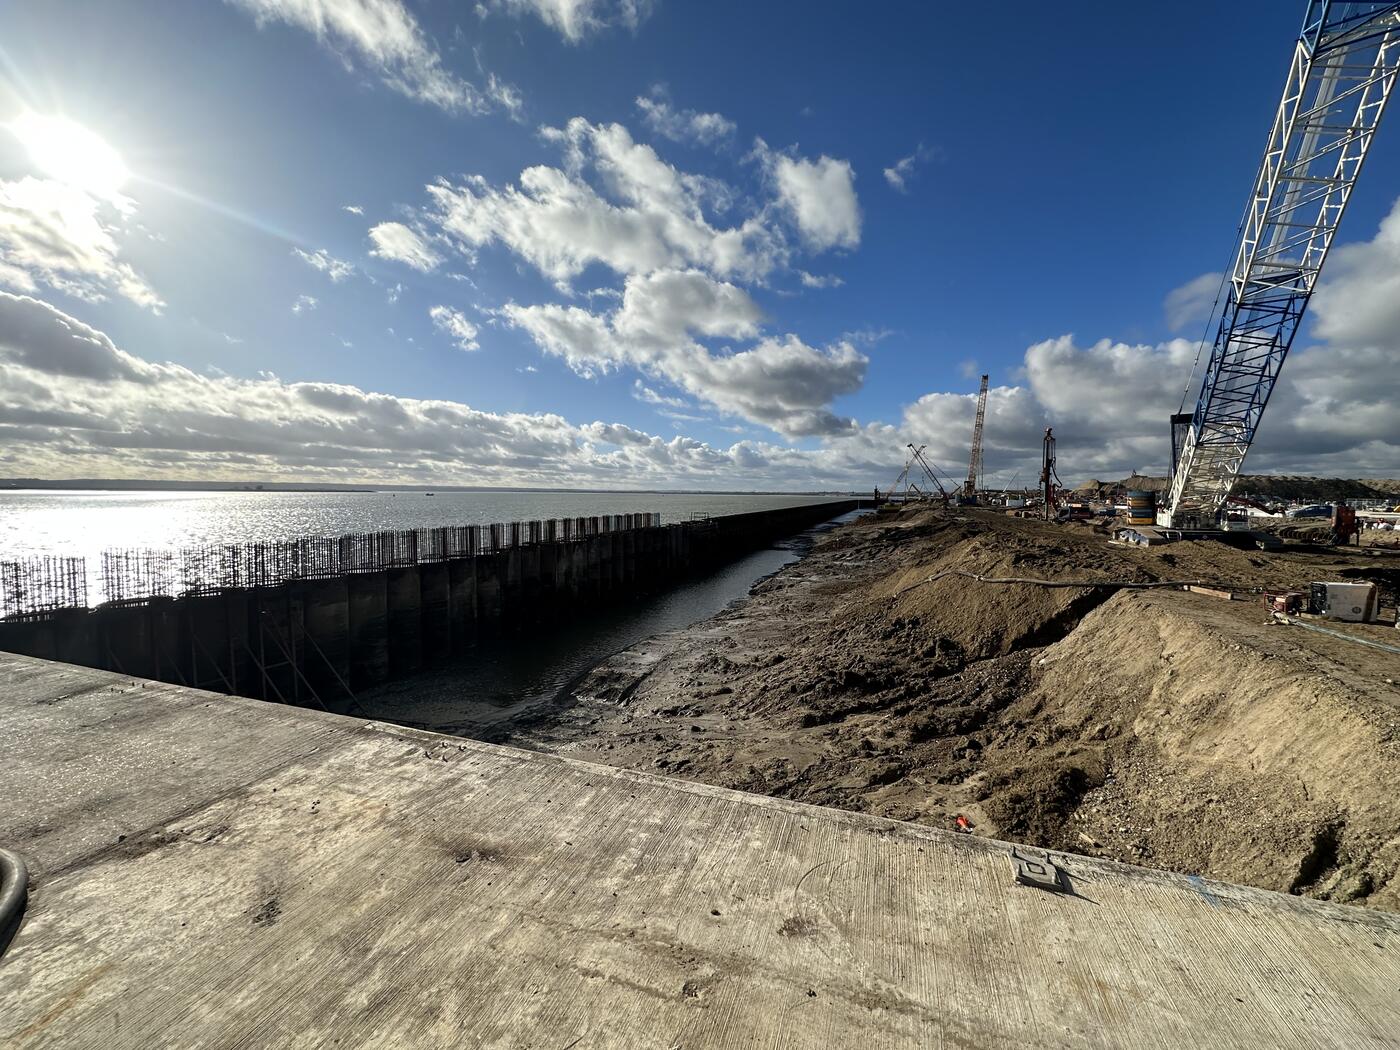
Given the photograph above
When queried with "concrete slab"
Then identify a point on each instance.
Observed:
(214, 871)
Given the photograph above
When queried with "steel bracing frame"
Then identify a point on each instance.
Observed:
(1341, 76)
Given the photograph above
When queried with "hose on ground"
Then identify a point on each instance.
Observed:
(14, 888)
(1120, 584)
(1281, 618)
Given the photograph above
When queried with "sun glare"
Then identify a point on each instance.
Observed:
(67, 151)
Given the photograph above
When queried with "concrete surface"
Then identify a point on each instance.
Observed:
(213, 871)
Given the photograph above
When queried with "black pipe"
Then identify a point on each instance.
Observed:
(14, 889)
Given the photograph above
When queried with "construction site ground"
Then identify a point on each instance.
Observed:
(1155, 726)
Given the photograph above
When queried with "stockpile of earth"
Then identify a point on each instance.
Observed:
(1289, 487)
(1156, 726)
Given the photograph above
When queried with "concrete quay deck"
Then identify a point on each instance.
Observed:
(214, 871)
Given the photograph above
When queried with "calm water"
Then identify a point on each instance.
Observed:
(85, 523)
(503, 678)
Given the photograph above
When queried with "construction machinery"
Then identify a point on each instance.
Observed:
(974, 466)
(1339, 81)
(1049, 480)
(911, 487)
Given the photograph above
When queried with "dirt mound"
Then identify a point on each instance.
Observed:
(1151, 726)
(1238, 748)
(1269, 486)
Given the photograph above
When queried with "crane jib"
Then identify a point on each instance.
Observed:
(1339, 81)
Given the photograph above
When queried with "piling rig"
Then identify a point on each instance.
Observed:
(1049, 479)
(1339, 81)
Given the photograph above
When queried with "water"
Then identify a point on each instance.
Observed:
(74, 524)
(504, 678)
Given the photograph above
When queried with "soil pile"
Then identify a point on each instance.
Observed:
(1149, 725)
(1269, 486)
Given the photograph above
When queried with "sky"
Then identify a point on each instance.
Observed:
(649, 244)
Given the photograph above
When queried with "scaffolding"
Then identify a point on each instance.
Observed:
(39, 586)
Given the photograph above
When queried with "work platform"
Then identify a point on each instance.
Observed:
(217, 871)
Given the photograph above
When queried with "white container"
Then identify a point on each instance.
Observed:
(1351, 601)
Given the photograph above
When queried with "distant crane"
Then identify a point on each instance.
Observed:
(1343, 69)
(1049, 479)
(974, 466)
(916, 456)
(929, 471)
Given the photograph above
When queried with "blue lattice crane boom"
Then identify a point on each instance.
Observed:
(1339, 81)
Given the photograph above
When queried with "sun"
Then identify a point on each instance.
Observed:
(65, 150)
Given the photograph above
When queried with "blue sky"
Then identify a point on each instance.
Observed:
(783, 313)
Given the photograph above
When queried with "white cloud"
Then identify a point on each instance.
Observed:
(683, 125)
(353, 209)
(336, 269)
(455, 324)
(1358, 301)
(901, 171)
(395, 241)
(304, 304)
(648, 396)
(576, 19)
(821, 197)
(779, 382)
(74, 405)
(1191, 303)
(384, 37)
(59, 235)
(40, 337)
(811, 280)
(653, 217)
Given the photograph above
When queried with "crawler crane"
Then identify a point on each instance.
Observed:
(1343, 69)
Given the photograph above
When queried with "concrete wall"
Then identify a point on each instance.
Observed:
(313, 641)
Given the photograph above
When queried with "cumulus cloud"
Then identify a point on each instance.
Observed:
(651, 217)
(575, 20)
(455, 324)
(304, 304)
(683, 125)
(40, 337)
(1107, 401)
(1332, 410)
(336, 269)
(353, 209)
(1191, 303)
(1358, 301)
(395, 241)
(779, 382)
(821, 197)
(616, 202)
(74, 405)
(384, 37)
(61, 236)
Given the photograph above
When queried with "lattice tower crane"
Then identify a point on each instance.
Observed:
(1339, 81)
(974, 466)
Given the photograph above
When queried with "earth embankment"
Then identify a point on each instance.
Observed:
(1103, 715)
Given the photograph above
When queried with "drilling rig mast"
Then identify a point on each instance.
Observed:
(1049, 479)
(1342, 72)
(974, 467)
